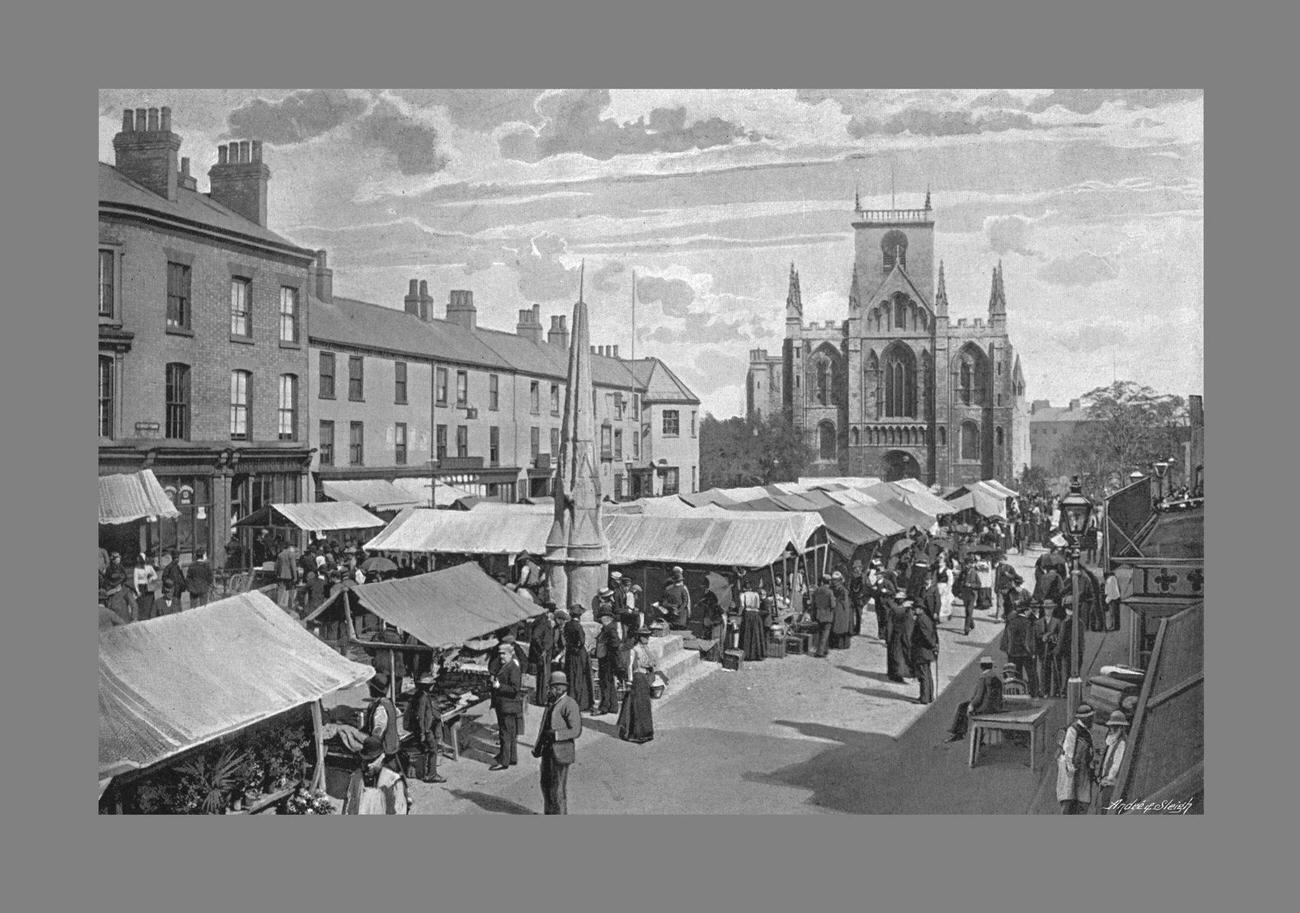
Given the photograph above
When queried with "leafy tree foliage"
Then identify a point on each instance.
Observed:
(1132, 426)
(737, 451)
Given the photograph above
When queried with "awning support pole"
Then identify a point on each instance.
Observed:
(318, 735)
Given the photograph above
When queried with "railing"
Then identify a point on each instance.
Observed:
(895, 215)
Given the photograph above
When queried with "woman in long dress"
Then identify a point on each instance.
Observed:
(944, 577)
(577, 663)
(842, 620)
(753, 636)
(635, 721)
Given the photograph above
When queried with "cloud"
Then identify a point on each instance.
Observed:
(603, 280)
(295, 118)
(1087, 101)
(573, 123)
(542, 277)
(674, 295)
(479, 109)
(1083, 268)
(869, 115)
(1092, 338)
(413, 145)
(697, 328)
(1010, 234)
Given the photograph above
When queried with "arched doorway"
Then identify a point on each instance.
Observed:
(897, 464)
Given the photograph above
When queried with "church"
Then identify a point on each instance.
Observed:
(897, 389)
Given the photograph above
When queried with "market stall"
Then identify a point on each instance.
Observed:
(298, 521)
(128, 503)
(981, 498)
(376, 495)
(172, 685)
(442, 612)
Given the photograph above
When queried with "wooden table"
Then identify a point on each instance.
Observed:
(451, 726)
(1019, 715)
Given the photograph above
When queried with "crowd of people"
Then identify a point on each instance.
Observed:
(142, 590)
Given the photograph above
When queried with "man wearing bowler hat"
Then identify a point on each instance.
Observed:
(1074, 773)
(677, 599)
(986, 699)
(508, 702)
(1112, 758)
(561, 726)
(609, 661)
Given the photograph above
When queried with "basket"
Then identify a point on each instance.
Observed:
(657, 690)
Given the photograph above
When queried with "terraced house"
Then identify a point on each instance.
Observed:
(203, 327)
(406, 394)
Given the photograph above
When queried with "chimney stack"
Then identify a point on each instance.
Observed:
(411, 303)
(616, 351)
(185, 179)
(530, 323)
(461, 310)
(426, 301)
(238, 179)
(324, 278)
(1074, 405)
(559, 332)
(146, 150)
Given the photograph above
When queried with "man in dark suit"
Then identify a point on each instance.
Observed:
(823, 606)
(508, 702)
(986, 699)
(609, 662)
(561, 726)
(199, 579)
(1020, 646)
(541, 651)
(925, 644)
(898, 637)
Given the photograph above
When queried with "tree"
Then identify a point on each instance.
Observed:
(1033, 480)
(1130, 427)
(738, 451)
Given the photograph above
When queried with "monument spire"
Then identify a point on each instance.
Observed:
(576, 549)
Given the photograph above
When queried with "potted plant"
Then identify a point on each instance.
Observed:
(213, 778)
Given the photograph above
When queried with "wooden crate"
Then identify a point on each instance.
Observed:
(733, 659)
(797, 644)
(776, 647)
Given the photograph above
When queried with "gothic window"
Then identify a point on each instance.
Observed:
(970, 441)
(943, 436)
(900, 382)
(854, 435)
(964, 386)
(997, 435)
(900, 312)
(823, 383)
(826, 440)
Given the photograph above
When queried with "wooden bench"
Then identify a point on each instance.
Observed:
(1018, 715)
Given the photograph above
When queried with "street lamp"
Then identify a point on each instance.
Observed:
(1160, 467)
(1076, 511)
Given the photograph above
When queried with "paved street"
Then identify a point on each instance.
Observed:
(789, 736)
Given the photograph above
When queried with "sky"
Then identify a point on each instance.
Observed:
(1093, 200)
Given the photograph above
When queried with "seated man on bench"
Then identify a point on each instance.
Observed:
(986, 699)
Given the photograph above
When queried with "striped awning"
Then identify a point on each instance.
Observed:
(133, 496)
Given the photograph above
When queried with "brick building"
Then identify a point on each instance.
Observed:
(898, 389)
(203, 327)
(407, 394)
(1049, 427)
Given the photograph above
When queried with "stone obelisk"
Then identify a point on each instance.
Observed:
(577, 552)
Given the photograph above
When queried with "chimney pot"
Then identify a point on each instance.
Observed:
(616, 351)
(128, 120)
(415, 288)
(185, 166)
(221, 155)
(322, 259)
(153, 120)
(424, 287)
(165, 121)
(257, 150)
(141, 120)
(244, 150)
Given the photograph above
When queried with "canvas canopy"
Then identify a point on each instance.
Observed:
(176, 682)
(847, 532)
(737, 540)
(133, 496)
(444, 495)
(922, 500)
(986, 501)
(905, 514)
(372, 494)
(711, 496)
(870, 516)
(469, 532)
(321, 516)
(443, 609)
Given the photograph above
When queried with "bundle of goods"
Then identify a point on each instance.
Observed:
(463, 681)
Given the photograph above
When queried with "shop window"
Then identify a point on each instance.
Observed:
(192, 529)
